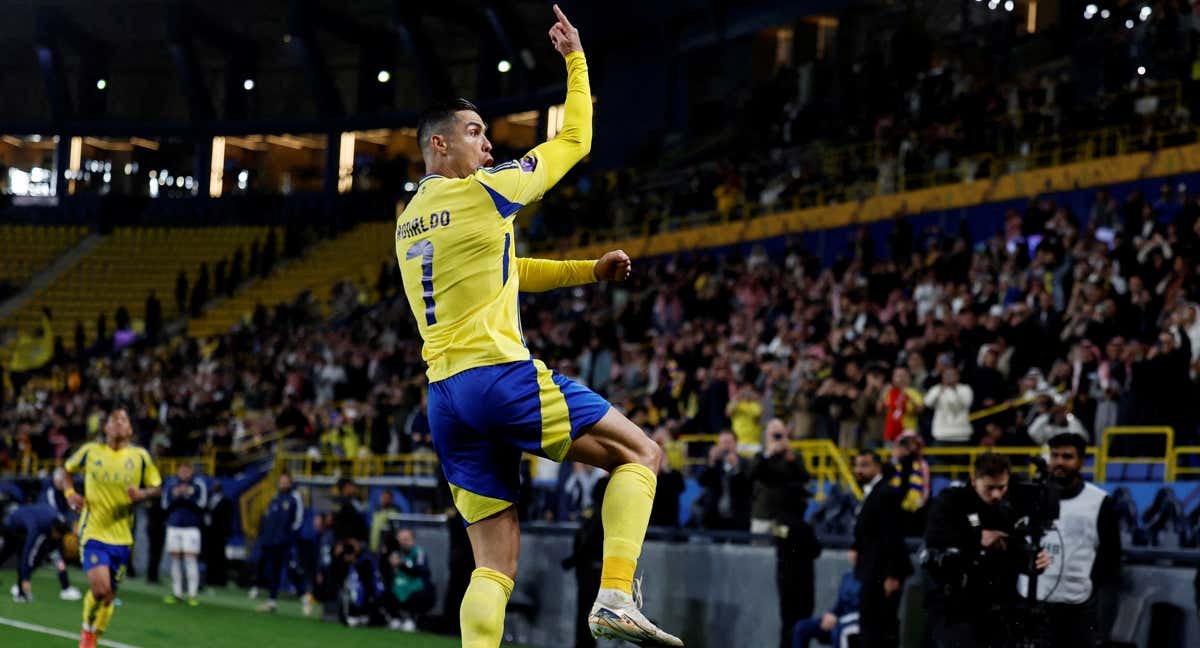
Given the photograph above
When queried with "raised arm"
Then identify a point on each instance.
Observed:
(574, 141)
(520, 182)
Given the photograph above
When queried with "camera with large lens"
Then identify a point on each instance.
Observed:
(1034, 505)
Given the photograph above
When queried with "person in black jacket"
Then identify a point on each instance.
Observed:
(882, 562)
(350, 518)
(971, 560)
(586, 557)
(156, 529)
(774, 473)
(218, 526)
(796, 547)
(670, 486)
(726, 484)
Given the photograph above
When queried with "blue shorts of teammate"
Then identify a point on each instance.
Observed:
(482, 419)
(102, 554)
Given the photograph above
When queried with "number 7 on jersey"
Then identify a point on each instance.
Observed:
(424, 250)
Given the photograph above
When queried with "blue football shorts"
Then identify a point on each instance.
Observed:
(102, 554)
(482, 419)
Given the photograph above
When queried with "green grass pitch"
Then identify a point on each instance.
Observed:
(224, 619)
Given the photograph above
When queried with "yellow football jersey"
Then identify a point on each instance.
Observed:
(455, 247)
(108, 474)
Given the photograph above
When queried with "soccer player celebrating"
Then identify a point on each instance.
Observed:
(489, 400)
(185, 499)
(117, 475)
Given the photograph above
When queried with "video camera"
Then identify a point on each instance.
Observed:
(1034, 504)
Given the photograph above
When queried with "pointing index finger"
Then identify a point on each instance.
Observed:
(562, 17)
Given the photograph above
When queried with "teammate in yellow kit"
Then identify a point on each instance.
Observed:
(117, 475)
(489, 400)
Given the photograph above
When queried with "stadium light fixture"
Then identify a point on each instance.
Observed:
(1129, 23)
(248, 84)
(1141, 70)
(1090, 11)
(384, 76)
(1105, 14)
(1009, 6)
(410, 186)
(503, 66)
(1144, 14)
(101, 84)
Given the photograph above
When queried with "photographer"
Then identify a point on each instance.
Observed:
(971, 560)
(773, 471)
(1085, 548)
(726, 486)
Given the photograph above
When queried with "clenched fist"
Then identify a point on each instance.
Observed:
(614, 266)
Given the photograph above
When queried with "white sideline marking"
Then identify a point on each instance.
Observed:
(59, 633)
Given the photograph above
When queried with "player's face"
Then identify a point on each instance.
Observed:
(468, 145)
(184, 472)
(117, 429)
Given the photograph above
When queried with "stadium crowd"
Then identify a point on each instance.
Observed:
(1081, 333)
(915, 112)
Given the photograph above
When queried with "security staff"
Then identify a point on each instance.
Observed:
(1085, 546)
(972, 557)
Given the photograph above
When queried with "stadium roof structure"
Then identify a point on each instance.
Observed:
(177, 67)
(266, 65)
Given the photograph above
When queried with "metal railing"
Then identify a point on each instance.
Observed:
(1193, 467)
(825, 463)
(30, 466)
(1167, 459)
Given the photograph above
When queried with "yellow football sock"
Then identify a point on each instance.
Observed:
(482, 613)
(625, 514)
(103, 616)
(89, 611)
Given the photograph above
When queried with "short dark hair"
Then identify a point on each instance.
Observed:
(991, 464)
(435, 117)
(1069, 439)
(872, 454)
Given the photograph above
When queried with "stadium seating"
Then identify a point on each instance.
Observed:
(122, 270)
(29, 249)
(356, 255)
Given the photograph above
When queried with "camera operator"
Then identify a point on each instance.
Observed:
(1085, 548)
(971, 560)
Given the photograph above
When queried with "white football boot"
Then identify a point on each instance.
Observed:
(616, 615)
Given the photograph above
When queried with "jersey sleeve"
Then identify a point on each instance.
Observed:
(76, 461)
(513, 185)
(540, 275)
(150, 476)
